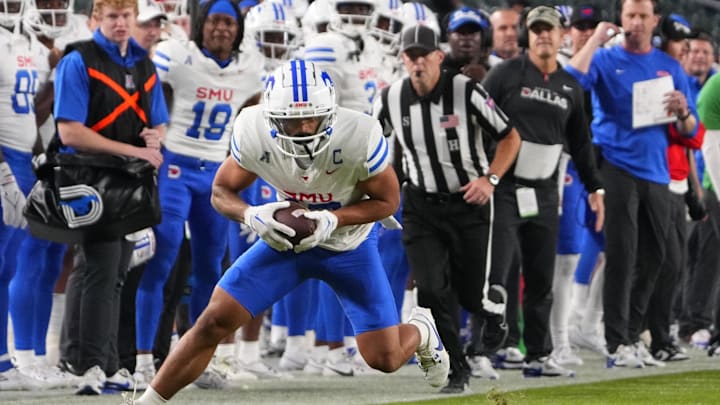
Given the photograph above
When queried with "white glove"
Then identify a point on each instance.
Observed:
(248, 234)
(12, 199)
(326, 222)
(260, 219)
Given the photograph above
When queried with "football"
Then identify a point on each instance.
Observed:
(292, 216)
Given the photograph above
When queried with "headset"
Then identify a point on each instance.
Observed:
(486, 30)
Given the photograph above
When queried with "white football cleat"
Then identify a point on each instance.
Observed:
(565, 356)
(433, 359)
(481, 367)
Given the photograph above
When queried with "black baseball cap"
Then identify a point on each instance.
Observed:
(676, 28)
(585, 14)
(419, 36)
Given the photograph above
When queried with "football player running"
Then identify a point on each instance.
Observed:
(223, 81)
(293, 140)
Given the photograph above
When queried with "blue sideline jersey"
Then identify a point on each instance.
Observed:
(642, 151)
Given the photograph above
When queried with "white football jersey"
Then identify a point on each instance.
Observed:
(206, 97)
(355, 72)
(357, 151)
(18, 84)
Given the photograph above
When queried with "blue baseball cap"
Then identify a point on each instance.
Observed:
(466, 15)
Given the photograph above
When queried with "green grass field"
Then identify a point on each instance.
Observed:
(699, 387)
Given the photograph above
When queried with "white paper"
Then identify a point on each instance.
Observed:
(648, 107)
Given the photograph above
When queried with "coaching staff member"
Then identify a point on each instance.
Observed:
(546, 105)
(442, 121)
(108, 102)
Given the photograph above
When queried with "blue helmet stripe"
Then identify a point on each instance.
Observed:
(293, 68)
(275, 10)
(303, 81)
(282, 12)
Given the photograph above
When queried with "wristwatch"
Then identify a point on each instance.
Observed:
(493, 179)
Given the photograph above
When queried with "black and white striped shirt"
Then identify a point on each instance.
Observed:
(442, 135)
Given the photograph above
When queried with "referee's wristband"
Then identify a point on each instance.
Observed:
(684, 117)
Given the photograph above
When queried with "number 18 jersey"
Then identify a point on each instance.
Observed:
(206, 97)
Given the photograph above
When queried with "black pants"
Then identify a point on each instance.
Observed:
(446, 241)
(536, 240)
(636, 228)
(703, 295)
(127, 349)
(92, 306)
(669, 280)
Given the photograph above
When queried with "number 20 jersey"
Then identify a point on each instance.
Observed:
(357, 151)
(206, 97)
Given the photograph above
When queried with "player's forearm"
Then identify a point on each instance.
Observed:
(365, 211)
(227, 203)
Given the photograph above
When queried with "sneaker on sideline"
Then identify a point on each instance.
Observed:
(545, 367)
(496, 329)
(644, 355)
(624, 356)
(433, 359)
(700, 339)
(92, 382)
(670, 353)
(231, 369)
(481, 367)
(260, 369)
(13, 380)
(588, 340)
(292, 361)
(509, 358)
(565, 356)
(50, 377)
(314, 367)
(143, 376)
(338, 363)
(714, 349)
(122, 380)
(212, 379)
(458, 383)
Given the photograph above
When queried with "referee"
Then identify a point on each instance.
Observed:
(442, 121)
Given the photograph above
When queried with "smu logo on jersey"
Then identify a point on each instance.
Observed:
(24, 62)
(81, 205)
(312, 198)
(207, 93)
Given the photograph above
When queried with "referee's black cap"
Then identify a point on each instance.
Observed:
(419, 36)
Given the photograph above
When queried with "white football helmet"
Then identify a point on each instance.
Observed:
(316, 18)
(419, 14)
(49, 18)
(12, 12)
(386, 24)
(299, 89)
(298, 7)
(351, 17)
(274, 30)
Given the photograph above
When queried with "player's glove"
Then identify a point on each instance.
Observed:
(260, 219)
(325, 222)
(12, 199)
(247, 234)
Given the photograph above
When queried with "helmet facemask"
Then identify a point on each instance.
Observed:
(11, 12)
(49, 18)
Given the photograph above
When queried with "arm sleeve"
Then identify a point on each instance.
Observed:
(72, 89)
(587, 80)
(378, 156)
(158, 106)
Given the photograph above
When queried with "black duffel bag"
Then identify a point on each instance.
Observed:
(83, 196)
